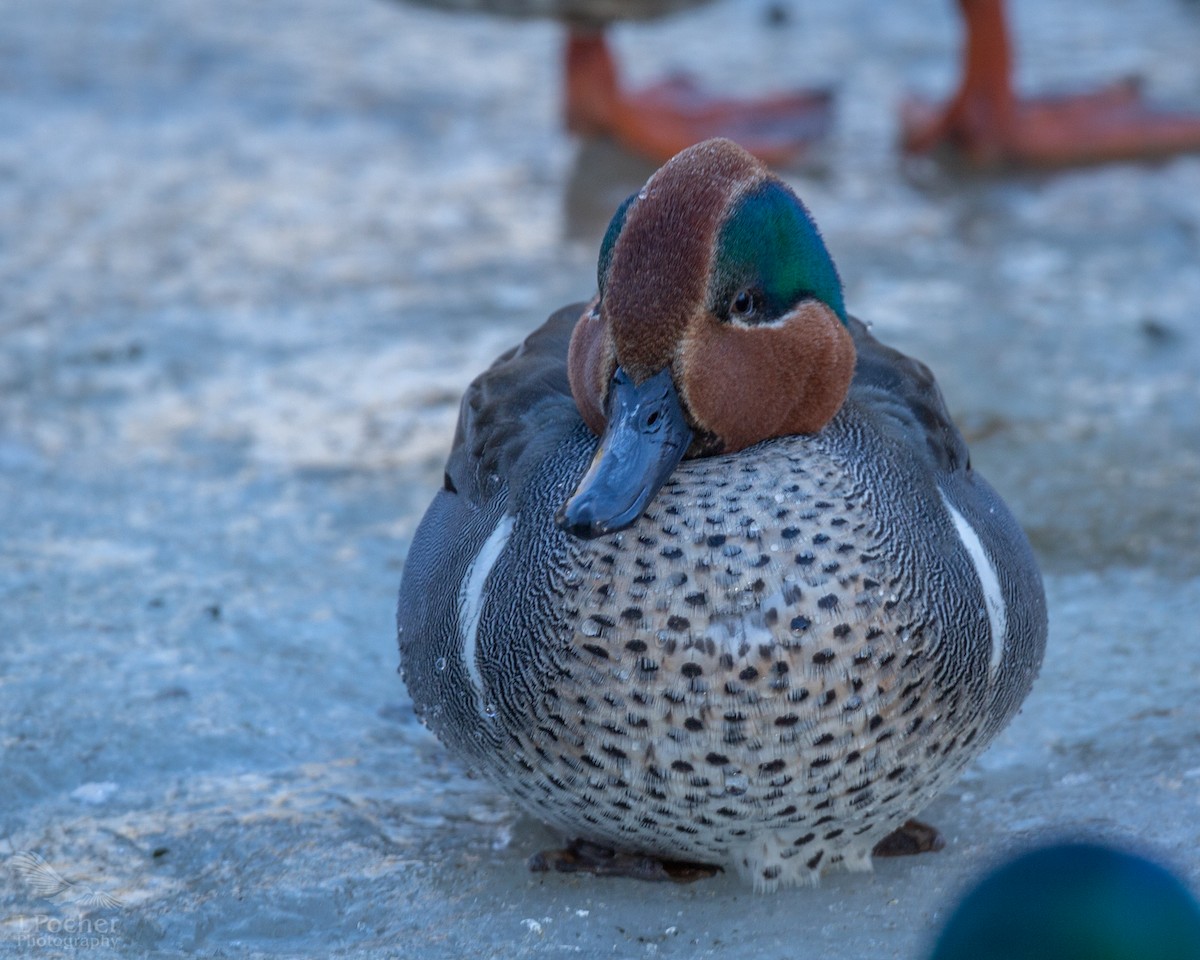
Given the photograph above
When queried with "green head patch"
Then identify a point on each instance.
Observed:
(769, 258)
(615, 225)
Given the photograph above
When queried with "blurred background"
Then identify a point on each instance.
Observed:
(250, 255)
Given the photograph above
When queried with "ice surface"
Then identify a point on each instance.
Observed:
(249, 256)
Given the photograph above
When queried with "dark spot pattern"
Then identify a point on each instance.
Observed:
(750, 663)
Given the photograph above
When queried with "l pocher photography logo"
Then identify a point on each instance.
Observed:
(61, 930)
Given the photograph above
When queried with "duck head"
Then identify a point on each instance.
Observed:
(719, 323)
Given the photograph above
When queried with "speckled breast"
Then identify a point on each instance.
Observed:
(782, 660)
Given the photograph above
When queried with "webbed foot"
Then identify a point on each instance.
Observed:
(582, 856)
(992, 126)
(1114, 123)
(658, 122)
(910, 839)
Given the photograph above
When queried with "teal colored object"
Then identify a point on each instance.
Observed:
(769, 242)
(1075, 901)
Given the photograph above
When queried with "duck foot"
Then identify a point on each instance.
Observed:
(1107, 125)
(910, 839)
(581, 856)
(658, 122)
(991, 127)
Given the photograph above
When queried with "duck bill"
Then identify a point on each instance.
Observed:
(646, 437)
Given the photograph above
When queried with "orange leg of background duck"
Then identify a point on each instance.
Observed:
(991, 126)
(658, 122)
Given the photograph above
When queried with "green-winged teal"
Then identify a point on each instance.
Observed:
(711, 576)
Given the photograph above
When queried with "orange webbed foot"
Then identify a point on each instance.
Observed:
(658, 122)
(1113, 123)
(991, 126)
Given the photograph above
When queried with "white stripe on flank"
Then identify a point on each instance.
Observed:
(471, 596)
(992, 594)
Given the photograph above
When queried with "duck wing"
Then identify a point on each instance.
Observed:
(513, 417)
(515, 412)
(900, 396)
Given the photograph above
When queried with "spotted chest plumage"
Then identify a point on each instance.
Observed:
(745, 674)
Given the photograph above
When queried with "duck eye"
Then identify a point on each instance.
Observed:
(743, 304)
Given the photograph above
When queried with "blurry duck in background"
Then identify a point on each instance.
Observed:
(658, 122)
(985, 121)
(1074, 901)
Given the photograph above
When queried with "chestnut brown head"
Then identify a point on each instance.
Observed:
(719, 323)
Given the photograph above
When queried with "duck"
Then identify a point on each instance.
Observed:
(985, 123)
(711, 580)
(1074, 900)
(657, 122)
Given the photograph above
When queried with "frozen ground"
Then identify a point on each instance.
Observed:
(249, 256)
